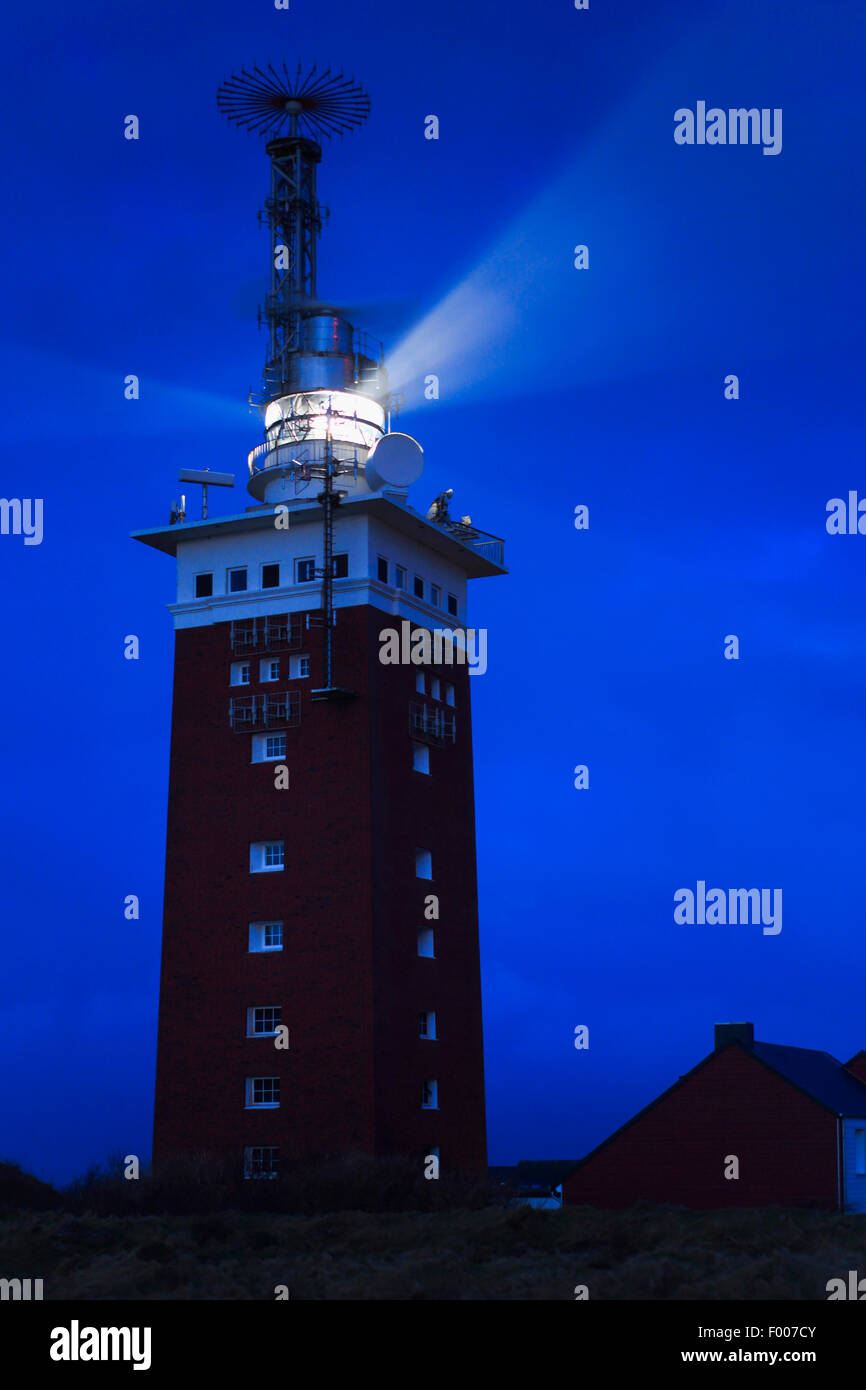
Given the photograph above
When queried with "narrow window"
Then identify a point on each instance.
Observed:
(452, 605)
(266, 936)
(418, 586)
(263, 1020)
(382, 569)
(434, 688)
(240, 673)
(449, 694)
(400, 577)
(420, 757)
(435, 595)
(268, 748)
(427, 1024)
(261, 1161)
(420, 682)
(425, 942)
(263, 1091)
(270, 576)
(203, 585)
(269, 669)
(860, 1150)
(423, 863)
(305, 570)
(266, 856)
(430, 1095)
(341, 566)
(299, 666)
(237, 580)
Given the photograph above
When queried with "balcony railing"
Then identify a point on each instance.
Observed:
(280, 633)
(489, 547)
(247, 713)
(431, 723)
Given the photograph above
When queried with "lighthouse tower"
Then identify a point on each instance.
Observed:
(320, 985)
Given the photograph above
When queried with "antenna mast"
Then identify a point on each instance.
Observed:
(312, 356)
(298, 111)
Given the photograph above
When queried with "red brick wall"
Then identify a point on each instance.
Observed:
(733, 1104)
(437, 812)
(348, 979)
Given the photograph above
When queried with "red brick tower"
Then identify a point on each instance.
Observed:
(320, 987)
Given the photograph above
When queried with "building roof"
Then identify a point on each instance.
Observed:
(479, 554)
(820, 1075)
(533, 1173)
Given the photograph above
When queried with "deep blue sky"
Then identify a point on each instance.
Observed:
(602, 387)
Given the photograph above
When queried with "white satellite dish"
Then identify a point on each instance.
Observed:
(396, 461)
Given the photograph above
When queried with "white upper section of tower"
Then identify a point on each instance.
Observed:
(306, 428)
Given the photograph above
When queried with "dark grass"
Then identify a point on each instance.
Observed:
(368, 1239)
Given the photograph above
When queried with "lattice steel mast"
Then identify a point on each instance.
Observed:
(297, 110)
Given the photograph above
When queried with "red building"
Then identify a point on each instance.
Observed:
(320, 987)
(753, 1124)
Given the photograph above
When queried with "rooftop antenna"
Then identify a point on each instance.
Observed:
(296, 112)
(205, 477)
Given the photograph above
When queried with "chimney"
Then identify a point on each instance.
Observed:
(734, 1032)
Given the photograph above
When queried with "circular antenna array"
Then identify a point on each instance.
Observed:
(396, 461)
(274, 103)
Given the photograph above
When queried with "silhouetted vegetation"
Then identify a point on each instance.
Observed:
(367, 1229)
(20, 1191)
(202, 1184)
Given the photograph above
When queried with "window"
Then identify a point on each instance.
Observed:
(435, 595)
(261, 1161)
(420, 757)
(266, 936)
(860, 1150)
(427, 1024)
(423, 863)
(240, 673)
(298, 666)
(434, 688)
(452, 605)
(341, 566)
(382, 569)
(400, 577)
(449, 694)
(420, 682)
(429, 1095)
(269, 669)
(270, 576)
(263, 1091)
(237, 580)
(268, 748)
(266, 856)
(263, 1021)
(305, 570)
(418, 586)
(425, 942)
(203, 585)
